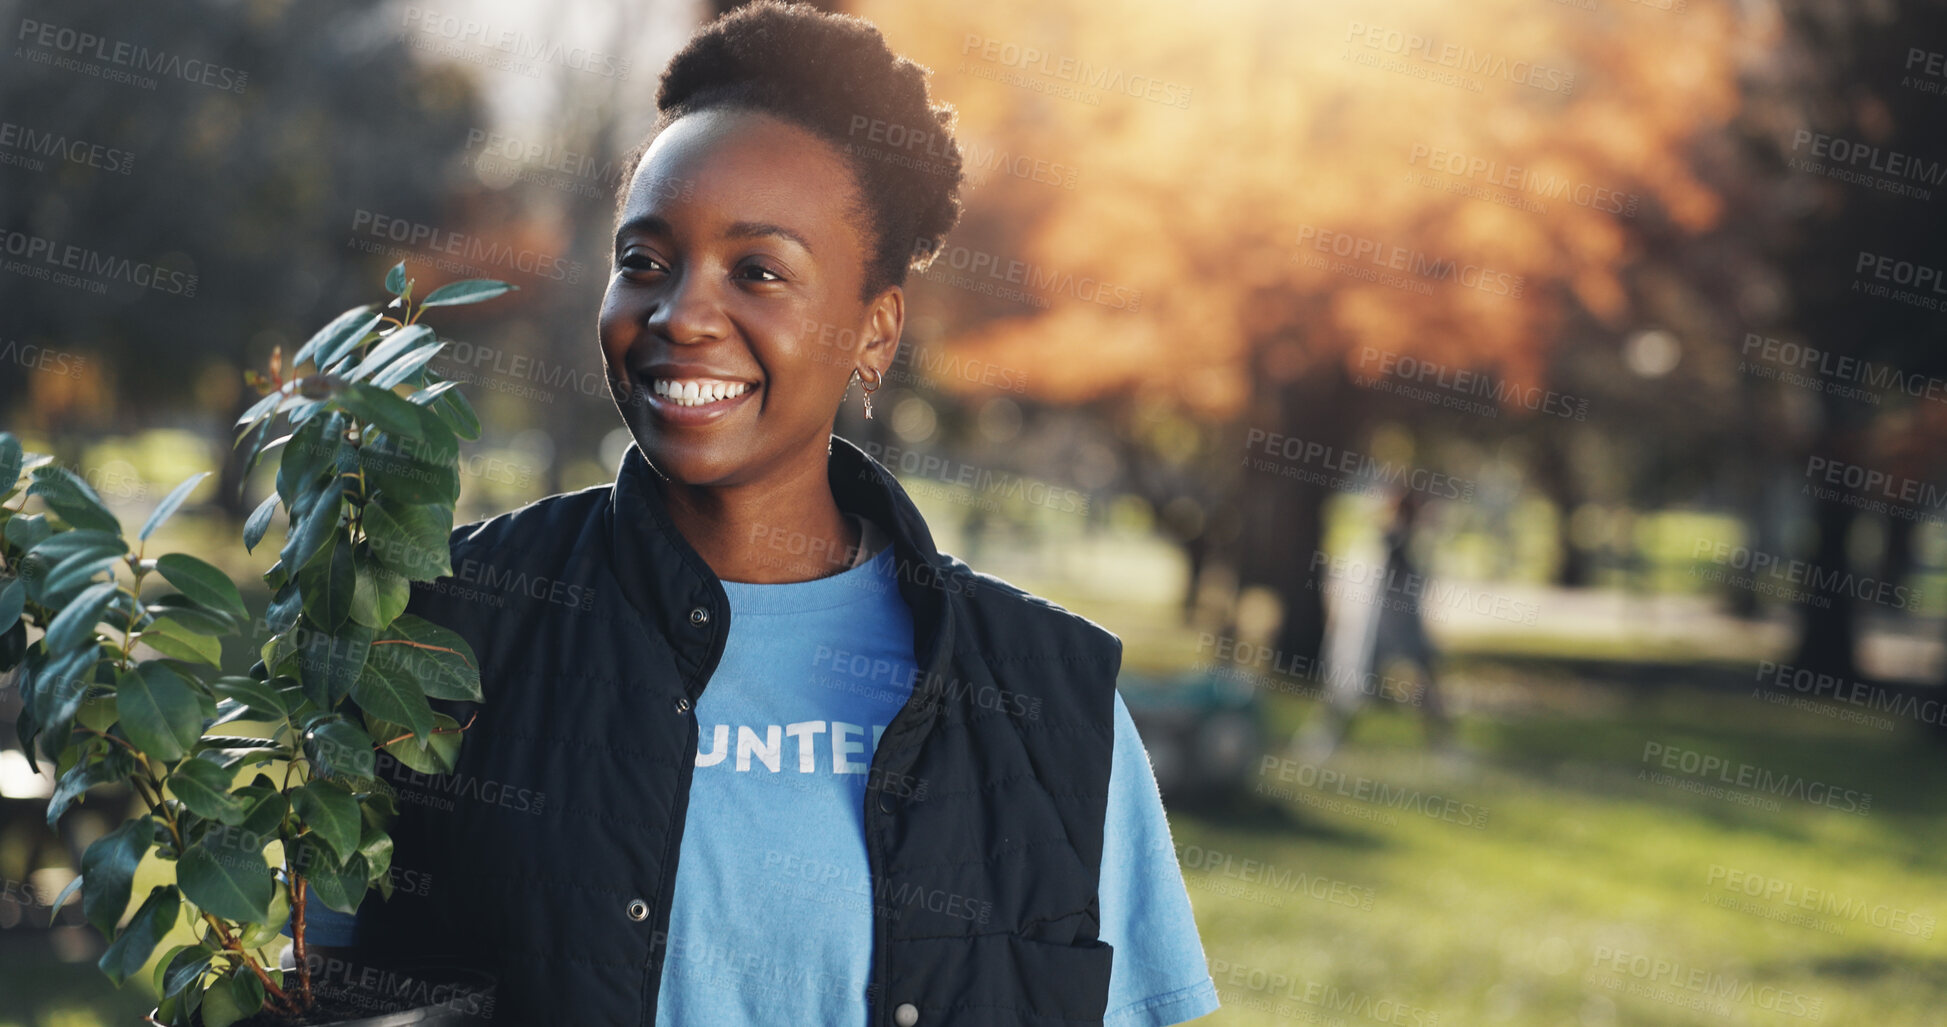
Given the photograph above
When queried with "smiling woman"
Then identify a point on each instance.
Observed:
(798, 765)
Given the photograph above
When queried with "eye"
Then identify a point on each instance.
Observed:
(756, 272)
(639, 261)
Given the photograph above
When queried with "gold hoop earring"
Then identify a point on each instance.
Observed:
(877, 379)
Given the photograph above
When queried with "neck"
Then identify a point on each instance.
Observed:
(784, 528)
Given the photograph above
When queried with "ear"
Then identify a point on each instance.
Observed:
(885, 318)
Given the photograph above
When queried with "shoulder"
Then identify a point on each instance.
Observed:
(1012, 625)
(551, 522)
(550, 549)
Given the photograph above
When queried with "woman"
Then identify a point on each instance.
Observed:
(752, 750)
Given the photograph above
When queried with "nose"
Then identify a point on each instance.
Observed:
(689, 311)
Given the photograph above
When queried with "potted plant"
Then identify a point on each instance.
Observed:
(255, 788)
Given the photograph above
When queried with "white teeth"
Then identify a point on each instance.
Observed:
(691, 392)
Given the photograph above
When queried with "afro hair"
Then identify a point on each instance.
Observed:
(833, 75)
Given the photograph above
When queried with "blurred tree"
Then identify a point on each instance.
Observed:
(1257, 170)
(252, 188)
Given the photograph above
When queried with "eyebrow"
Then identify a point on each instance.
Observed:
(656, 225)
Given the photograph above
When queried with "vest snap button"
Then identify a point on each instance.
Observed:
(638, 910)
(885, 803)
(906, 1015)
(683, 705)
(699, 616)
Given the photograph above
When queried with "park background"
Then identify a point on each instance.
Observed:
(1642, 300)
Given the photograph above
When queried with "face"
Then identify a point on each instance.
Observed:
(733, 319)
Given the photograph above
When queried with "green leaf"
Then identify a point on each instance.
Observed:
(312, 450)
(438, 659)
(328, 339)
(228, 1000)
(202, 582)
(330, 811)
(59, 587)
(333, 360)
(109, 867)
(327, 583)
(28, 530)
(393, 697)
(185, 968)
(204, 787)
(329, 663)
(173, 640)
(340, 748)
(315, 520)
(395, 279)
(13, 597)
(258, 695)
(75, 500)
(379, 595)
(406, 478)
(412, 539)
(159, 712)
(10, 461)
(339, 884)
(184, 614)
(235, 884)
(76, 624)
(382, 354)
(376, 846)
(407, 366)
(112, 768)
(469, 290)
(258, 935)
(187, 648)
(138, 940)
(383, 407)
(259, 522)
(59, 548)
(61, 684)
(440, 754)
(170, 502)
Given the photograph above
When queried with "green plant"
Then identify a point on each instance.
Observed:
(256, 788)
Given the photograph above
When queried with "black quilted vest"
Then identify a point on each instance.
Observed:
(549, 858)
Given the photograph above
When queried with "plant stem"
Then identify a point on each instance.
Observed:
(297, 938)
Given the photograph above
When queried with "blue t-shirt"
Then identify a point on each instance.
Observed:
(772, 916)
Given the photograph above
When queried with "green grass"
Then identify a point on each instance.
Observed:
(1508, 923)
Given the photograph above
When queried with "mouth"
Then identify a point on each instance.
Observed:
(688, 401)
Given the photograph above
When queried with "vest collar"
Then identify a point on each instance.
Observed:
(666, 580)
